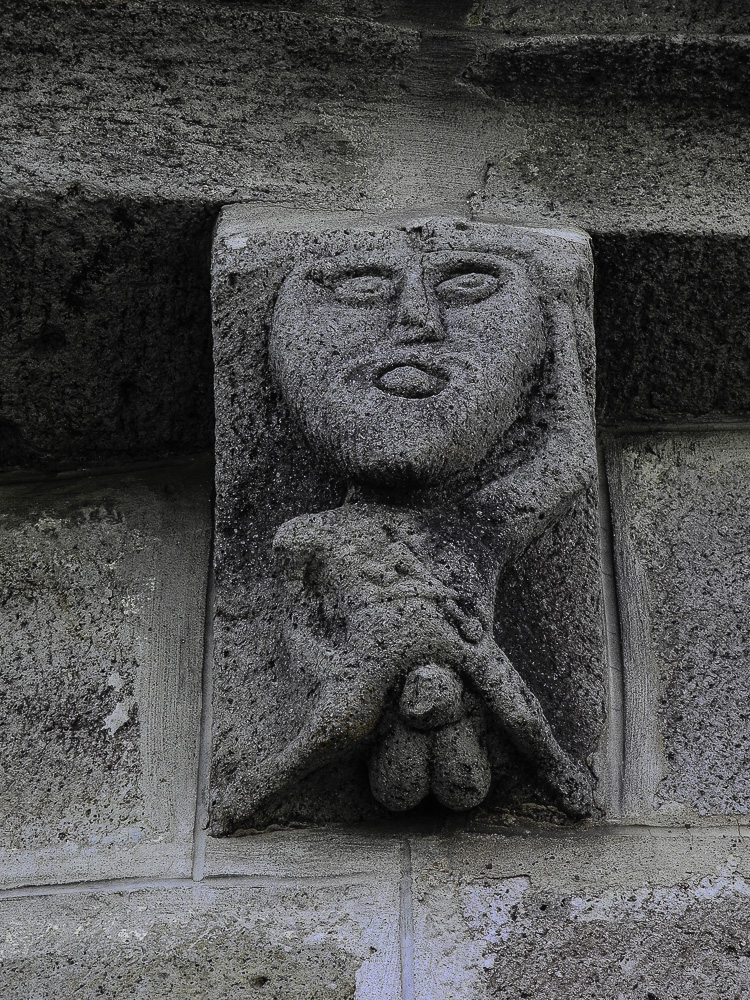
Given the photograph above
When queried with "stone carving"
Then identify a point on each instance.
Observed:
(438, 375)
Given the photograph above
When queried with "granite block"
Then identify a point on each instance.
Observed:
(101, 638)
(302, 942)
(680, 507)
(616, 915)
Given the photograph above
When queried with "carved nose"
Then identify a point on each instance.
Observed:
(418, 333)
(417, 318)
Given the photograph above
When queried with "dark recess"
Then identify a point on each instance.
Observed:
(105, 330)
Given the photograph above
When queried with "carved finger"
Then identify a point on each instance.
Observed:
(519, 713)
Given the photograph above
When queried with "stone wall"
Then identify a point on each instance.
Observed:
(126, 127)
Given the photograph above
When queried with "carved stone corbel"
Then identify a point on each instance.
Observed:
(404, 422)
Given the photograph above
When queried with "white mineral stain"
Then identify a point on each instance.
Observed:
(119, 715)
(115, 681)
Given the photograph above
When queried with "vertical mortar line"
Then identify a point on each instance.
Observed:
(200, 827)
(406, 924)
(613, 639)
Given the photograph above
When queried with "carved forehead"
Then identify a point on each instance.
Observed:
(549, 260)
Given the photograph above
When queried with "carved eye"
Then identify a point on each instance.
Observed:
(464, 289)
(364, 290)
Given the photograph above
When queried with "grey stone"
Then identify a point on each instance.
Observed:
(101, 638)
(124, 129)
(305, 854)
(386, 106)
(680, 507)
(610, 914)
(105, 317)
(448, 472)
(304, 942)
(431, 697)
(597, 69)
(545, 17)
(672, 313)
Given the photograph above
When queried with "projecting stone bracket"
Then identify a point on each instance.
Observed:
(406, 562)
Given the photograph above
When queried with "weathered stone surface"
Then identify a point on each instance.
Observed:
(385, 106)
(371, 372)
(124, 127)
(680, 506)
(101, 637)
(302, 942)
(546, 17)
(672, 314)
(313, 853)
(105, 347)
(611, 915)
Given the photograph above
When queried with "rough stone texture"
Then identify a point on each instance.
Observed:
(391, 104)
(302, 942)
(125, 126)
(101, 638)
(104, 330)
(454, 457)
(671, 320)
(312, 853)
(547, 17)
(616, 916)
(680, 509)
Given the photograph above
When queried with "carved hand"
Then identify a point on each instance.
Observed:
(365, 612)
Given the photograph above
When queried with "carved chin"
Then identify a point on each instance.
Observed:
(418, 452)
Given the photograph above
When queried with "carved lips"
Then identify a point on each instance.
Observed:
(410, 381)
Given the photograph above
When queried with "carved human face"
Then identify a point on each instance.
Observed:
(405, 367)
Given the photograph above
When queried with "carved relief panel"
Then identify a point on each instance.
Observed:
(407, 596)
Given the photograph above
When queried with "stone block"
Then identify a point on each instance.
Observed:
(616, 915)
(313, 941)
(680, 508)
(385, 106)
(312, 853)
(105, 351)
(545, 17)
(101, 639)
(398, 443)
(124, 136)
(672, 313)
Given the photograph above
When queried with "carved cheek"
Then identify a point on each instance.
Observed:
(357, 332)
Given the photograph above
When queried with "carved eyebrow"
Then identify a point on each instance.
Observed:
(329, 271)
(448, 266)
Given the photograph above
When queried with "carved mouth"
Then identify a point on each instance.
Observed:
(410, 381)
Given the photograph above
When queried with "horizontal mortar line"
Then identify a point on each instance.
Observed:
(93, 886)
(654, 427)
(572, 38)
(731, 826)
(22, 477)
(226, 881)
(261, 881)
(611, 831)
